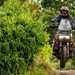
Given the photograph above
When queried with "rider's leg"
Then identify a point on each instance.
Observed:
(71, 48)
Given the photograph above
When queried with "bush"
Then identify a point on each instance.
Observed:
(20, 37)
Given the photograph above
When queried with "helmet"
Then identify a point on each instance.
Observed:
(64, 8)
(64, 11)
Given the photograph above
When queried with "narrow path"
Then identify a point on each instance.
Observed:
(66, 72)
(58, 72)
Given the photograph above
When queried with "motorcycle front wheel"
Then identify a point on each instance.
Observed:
(62, 58)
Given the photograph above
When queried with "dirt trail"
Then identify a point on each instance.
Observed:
(58, 72)
(66, 72)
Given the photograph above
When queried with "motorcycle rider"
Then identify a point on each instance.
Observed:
(64, 14)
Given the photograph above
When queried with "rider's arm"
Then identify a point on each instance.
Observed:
(73, 24)
(55, 21)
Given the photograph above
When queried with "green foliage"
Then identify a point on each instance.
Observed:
(1, 2)
(46, 3)
(44, 55)
(21, 37)
(38, 70)
(51, 3)
(43, 69)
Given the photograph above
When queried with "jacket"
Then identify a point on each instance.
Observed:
(59, 17)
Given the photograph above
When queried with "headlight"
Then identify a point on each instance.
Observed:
(62, 37)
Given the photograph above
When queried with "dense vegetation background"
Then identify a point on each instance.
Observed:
(25, 36)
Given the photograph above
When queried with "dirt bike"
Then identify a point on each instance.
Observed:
(64, 42)
(65, 45)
